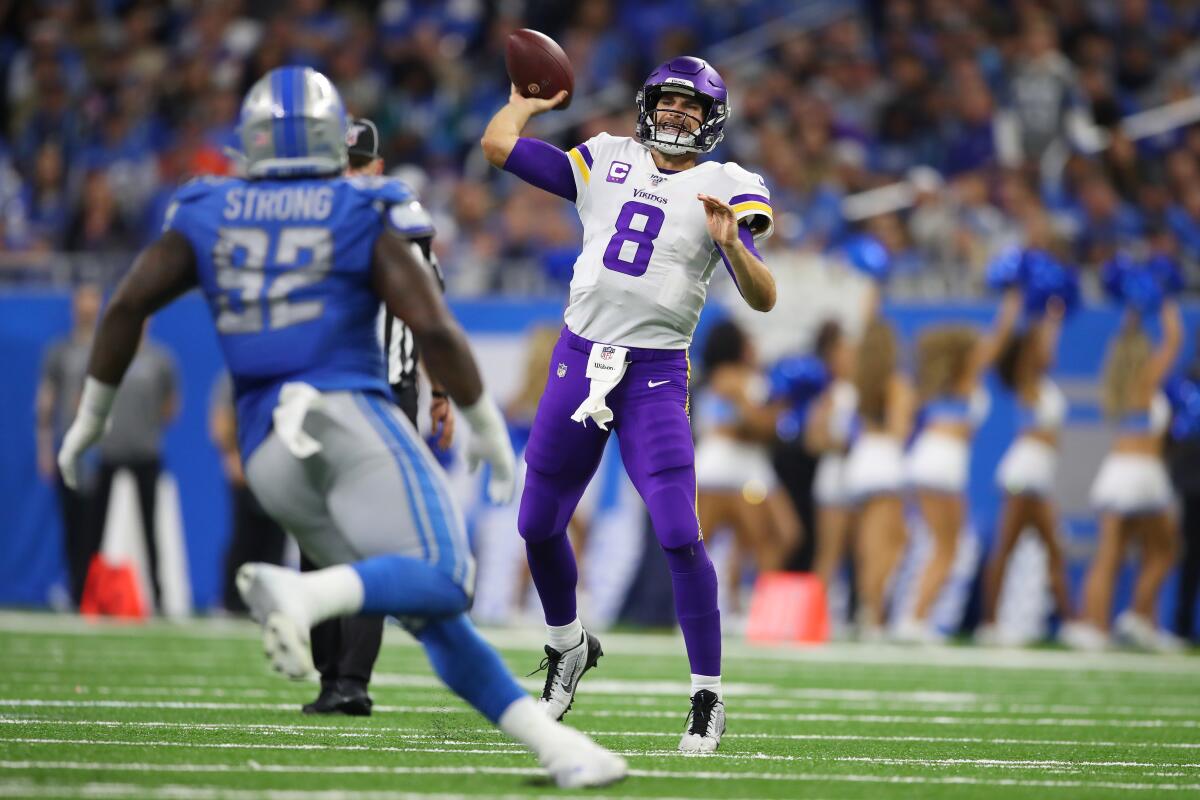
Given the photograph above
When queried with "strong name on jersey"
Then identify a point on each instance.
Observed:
(285, 268)
(642, 275)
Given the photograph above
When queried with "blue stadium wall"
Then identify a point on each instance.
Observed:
(30, 534)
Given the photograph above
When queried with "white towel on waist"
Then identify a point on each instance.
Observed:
(606, 367)
(295, 401)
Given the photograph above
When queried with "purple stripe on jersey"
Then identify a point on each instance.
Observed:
(587, 154)
(747, 239)
(543, 165)
(742, 198)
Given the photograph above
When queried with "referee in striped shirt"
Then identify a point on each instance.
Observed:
(344, 650)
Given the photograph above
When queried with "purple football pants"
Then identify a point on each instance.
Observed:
(650, 419)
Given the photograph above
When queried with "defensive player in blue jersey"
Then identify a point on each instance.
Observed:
(293, 261)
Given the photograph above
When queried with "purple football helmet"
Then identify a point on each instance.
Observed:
(691, 76)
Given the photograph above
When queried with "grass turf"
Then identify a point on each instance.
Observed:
(189, 711)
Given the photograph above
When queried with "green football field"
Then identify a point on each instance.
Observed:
(189, 711)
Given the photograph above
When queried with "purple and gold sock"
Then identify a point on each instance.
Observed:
(694, 581)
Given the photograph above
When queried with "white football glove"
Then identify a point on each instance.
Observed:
(490, 443)
(91, 422)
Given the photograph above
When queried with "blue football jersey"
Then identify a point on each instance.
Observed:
(285, 268)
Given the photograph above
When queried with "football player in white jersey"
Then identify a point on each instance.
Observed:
(656, 224)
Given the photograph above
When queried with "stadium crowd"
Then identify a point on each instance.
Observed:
(1002, 120)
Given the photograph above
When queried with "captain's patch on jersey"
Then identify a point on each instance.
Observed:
(618, 171)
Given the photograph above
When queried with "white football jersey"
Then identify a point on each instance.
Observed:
(642, 275)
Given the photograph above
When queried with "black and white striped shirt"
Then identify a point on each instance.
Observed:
(399, 346)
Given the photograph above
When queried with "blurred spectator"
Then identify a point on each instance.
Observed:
(63, 371)
(1042, 91)
(146, 403)
(46, 196)
(97, 225)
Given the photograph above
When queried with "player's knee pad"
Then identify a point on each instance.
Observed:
(541, 511)
(689, 558)
(672, 506)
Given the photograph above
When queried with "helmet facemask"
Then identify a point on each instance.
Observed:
(656, 127)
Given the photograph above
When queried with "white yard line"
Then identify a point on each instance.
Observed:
(469, 748)
(385, 732)
(255, 767)
(276, 746)
(632, 692)
(131, 791)
(642, 713)
(659, 645)
(1010, 763)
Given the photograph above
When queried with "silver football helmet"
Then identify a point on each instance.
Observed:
(293, 123)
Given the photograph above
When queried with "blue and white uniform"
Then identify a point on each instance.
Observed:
(1136, 483)
(940, 461)
(1029, 464)
(725, 463)
(829, 484)
(284, 265)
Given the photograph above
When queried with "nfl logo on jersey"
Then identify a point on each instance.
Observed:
(607, 352)
(562, 369)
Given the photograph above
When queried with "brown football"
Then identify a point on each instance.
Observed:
(537, 66)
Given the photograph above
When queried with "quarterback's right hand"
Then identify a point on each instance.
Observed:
(534, 105)
(490, 443)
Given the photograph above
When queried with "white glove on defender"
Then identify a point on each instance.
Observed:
(91, 422)
(490, 443)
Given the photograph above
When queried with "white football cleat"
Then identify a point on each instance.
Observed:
(576, 762)
(988, 635)
(914, 631)
(273, 596)
(706, 724)
(1083, 636)
(563, 671)
(1137, 631)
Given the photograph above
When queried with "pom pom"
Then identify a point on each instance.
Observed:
(798, 380)
(1005, 269)
(1168, 274)
(868, 255)
(1112, 274)
(1184, 395)
(1141, 291)
(1043, 278)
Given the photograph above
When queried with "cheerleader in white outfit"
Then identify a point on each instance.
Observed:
(1027, 470)
(951, 361)
(828, 431)
(737, 487)
(874, 471)
(1132, 489)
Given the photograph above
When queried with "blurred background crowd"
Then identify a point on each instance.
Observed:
(949, 129)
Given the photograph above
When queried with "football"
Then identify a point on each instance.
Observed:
(537, 66)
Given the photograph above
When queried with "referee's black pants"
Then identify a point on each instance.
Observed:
(1189, 568)
(345, 649)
